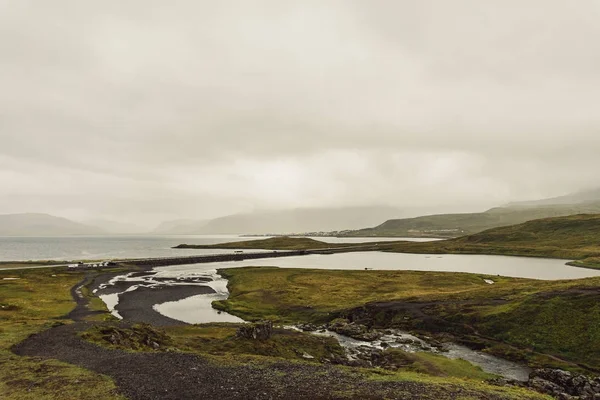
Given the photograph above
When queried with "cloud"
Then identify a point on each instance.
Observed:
(196, 108)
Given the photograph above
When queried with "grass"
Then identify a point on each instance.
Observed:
(219, 343)
(34, 302)
(38, 299)
(218, 339)
(575, 237)
(524, 319)
(435, 365)
(275, 243)
(452, 225)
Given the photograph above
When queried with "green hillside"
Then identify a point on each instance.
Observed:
(575, 237)
(453, 225)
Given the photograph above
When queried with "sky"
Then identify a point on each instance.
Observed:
(146, 110)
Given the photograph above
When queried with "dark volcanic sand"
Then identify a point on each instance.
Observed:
(136, 306)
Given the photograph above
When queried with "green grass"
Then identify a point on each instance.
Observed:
(34, 302)
(575, 237)
(275, 243)
(452, 225)
(217, 339)
(435, 365)
(218, 342)
(535, 320)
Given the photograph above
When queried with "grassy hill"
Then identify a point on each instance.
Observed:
(575, 237)
(453, 225)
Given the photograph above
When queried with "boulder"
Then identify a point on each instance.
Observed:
(261, 330)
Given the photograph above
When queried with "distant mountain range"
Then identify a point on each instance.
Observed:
(298, 220)
(350, 220)
(452, 225)
(43, 225)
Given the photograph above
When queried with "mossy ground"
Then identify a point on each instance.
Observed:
(34, 302)
(536, 320)
(218, 339)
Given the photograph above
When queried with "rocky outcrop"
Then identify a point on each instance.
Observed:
(354, 330)
(257, 331)
(562, 385)
(565, 385)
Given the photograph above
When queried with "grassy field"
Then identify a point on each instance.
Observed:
(538, 320)
(35, 301)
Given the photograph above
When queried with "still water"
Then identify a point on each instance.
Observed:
(519, 267)
(115, 247)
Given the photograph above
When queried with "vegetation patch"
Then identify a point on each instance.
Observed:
(275, 243)
(38, 300)
(531, 320)
(139, 337)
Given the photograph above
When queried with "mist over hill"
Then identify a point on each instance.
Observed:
(32, 224)
(453, 225)
(285, 221)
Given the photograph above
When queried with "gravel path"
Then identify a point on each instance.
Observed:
(181, 376)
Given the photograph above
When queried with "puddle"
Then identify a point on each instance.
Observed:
(193, 310)
(196, 310)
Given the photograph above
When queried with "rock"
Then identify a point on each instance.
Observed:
(354, 330)
(307, 356)
(307, 327)
(544, 386)
(564, 385)
(257, 331)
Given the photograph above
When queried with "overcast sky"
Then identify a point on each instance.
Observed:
(142, 110)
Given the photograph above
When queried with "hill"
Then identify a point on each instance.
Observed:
(43, 225)
(116, 227)
(453, 225)
(299, 220)
(575, 237)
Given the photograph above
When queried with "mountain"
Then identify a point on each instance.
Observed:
(180, 227)
(116, 227)
(586, 196)
(452, 225)
(298, 220)
(43, 225)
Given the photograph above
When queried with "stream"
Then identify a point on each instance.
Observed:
(198, 309)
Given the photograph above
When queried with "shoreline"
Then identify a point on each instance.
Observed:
(138, 305)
